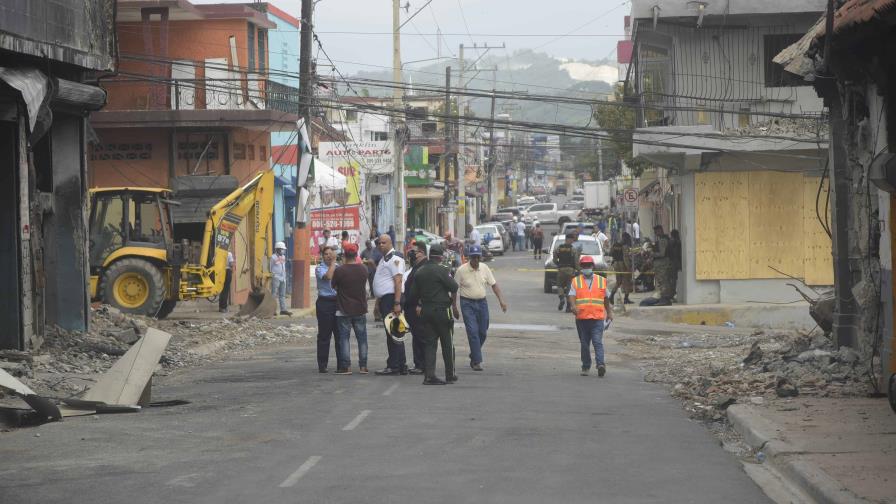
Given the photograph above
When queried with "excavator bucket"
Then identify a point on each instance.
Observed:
(259, 304)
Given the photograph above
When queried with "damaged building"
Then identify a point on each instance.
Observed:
(51, 54)
(847, 56)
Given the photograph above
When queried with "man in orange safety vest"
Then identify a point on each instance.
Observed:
(589, 302)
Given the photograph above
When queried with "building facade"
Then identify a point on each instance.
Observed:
(738, 145)
(44, 103)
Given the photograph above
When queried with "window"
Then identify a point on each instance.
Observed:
(105, 227)
(775, 76)
(351, 116)
(429, 127)
(250, 40)
(379, 135)
(262, 51)
(144, 220)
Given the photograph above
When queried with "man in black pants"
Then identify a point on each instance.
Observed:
(224, 296)
(326, 308)
(435, 289)
(417, 258)
(387, 287)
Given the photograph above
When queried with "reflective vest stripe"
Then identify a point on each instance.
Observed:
(590, 300)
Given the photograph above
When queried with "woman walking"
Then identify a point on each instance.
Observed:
(537, 236)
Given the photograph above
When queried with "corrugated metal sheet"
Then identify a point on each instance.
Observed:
(856, 12)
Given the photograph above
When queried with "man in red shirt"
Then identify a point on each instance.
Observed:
(350, 283)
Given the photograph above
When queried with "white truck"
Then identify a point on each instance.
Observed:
(598, 195)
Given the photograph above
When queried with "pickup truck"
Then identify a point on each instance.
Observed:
(570, 211)
(543, 212)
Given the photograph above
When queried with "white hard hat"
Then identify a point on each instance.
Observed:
(280, 245)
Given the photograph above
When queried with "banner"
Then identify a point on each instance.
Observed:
(336, 220)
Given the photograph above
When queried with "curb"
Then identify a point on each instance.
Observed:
(761, 434)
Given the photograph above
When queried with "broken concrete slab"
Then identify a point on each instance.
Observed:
(127, 379)
(45, 408)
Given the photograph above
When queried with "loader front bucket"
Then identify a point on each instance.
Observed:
(259, 304)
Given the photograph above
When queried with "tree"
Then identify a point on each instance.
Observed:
(620, 120)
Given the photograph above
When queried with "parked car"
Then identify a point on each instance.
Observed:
(526, 201)
(544, 212)
(587, 245)
(492, 237)
(570, 211)
(501, 217)
(587, 227)
(432, 238)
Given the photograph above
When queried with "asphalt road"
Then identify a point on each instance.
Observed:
(270, 429)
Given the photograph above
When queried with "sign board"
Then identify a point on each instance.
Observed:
(630, 197)
(446, 209)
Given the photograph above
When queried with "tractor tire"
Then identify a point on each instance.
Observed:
(133, 286)
(166, 308)
(891, 393)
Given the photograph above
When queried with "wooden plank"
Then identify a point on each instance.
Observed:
(775, 224)
(721, 211)
(125, 381)
(818, 263)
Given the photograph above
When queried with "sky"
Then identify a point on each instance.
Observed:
(580, 29)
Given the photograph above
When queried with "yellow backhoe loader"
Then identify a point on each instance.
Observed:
(136, 265)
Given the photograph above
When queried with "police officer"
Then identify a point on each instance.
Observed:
(566, 257)
(662, 267)
(435, 291)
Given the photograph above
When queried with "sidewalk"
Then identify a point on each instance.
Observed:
(834, 450)
(756, 315)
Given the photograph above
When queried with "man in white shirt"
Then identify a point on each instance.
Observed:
(521, 235)
(387, 287)
(475, 237)
(636, 232)
(602, 238)
(329, 241)
(472, 279)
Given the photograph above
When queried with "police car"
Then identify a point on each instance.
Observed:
(587, 245)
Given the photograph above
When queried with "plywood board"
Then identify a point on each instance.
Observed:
(818, 263)
(775, 224)
(124, 382)
(721, 217)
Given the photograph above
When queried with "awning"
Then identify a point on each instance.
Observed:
(425, 193)
(326, 177)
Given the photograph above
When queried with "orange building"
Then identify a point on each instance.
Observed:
(191, 107)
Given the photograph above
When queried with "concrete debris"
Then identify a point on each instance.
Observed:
(68, 362)
(810, 129)
(716, 369)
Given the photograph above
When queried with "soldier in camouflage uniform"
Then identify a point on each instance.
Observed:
(566, 257)
(662, 267)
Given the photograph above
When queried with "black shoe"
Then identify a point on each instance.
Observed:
(284, 312)
(403, 371)
(434, 381)
(387, 372)
(322, 370)
(451, 379)
(560, 306)
(415, 371)
(601, 371)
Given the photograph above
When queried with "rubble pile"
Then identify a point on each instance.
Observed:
(710, 372)
(809, 129)
(68, 362)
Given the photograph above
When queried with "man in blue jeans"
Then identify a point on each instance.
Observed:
(350, 283)
(588, 301)
(472, 279)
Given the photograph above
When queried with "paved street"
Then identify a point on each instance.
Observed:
(271, 429)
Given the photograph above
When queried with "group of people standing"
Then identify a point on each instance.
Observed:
(425, 295)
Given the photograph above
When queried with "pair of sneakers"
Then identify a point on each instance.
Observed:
(348, 371)
(601, 371)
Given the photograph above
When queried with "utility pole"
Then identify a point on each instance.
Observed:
(301, 254)
(446, 157)
(490, 171)
(600, 160)
(460, 225)
(398, 129)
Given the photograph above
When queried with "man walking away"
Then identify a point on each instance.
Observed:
(521, 235)
(662, 267)
(278, 274)
(350, 282)
(636, 232)
(675, 258)
(417, 258)
(602, 238)
(387, 287)
(224, 296)
(588, 298)
(475, 237)
(435, 289)
(566, 257)
(326, 308)
(537, 241)
(472, 279)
